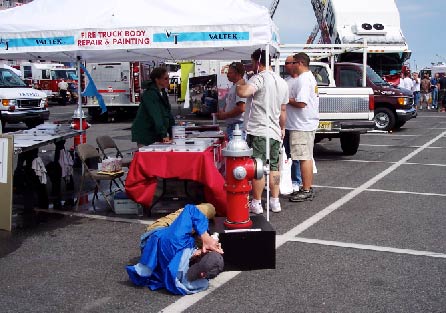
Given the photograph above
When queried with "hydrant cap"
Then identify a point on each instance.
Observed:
(77, 113)
(237, 147)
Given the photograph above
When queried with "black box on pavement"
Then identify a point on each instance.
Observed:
(247, 249)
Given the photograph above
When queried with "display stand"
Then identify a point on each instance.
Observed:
(6, 160)
(247, 249)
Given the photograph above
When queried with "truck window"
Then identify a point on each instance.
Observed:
(375, 78)
(9, 79)
(72, 75)
(27, 72)
(320, 74)
(349, 78)
(45, 74)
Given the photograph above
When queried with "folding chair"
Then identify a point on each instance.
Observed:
(87, 153)
(105, 143)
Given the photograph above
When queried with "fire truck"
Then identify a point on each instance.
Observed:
(350, 22)
(46, 77)
(120, 84)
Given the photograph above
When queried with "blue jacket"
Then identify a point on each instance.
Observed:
(166, 252)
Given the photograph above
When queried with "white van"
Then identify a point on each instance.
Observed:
(20, 103)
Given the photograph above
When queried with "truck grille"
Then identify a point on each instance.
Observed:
(343, 105)
(28, 103)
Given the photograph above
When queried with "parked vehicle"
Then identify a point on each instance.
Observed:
(119, 83)
(345, 112)
(393, 105)
(47, 76)
(20, 103)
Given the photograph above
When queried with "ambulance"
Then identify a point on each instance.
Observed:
(20, 103)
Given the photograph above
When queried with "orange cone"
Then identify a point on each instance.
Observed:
(83, 199)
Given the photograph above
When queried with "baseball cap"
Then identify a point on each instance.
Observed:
(209, 266)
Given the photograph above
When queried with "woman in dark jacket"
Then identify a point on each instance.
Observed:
(154, 121)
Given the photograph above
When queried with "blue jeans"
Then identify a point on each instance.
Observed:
(230, 129)
(296, 176)
(435, 97)
(416, 98)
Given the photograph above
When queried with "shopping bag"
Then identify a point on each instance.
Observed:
(285, 163)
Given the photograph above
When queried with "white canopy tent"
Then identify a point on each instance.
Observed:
(135, 30)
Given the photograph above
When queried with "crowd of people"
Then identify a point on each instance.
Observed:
(428, 92)
(267, 109)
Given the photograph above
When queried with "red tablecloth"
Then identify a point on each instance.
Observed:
(141, 180)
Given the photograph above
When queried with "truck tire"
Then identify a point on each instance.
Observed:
(350, 143)
(399, 124)
(34, 123)
(384, 119)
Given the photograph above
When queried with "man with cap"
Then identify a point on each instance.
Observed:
(170, 258)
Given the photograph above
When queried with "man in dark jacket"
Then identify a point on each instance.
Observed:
(154, 120)
(441, 86)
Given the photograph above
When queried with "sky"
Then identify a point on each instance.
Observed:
(419, 21)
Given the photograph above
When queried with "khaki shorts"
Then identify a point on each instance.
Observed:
(426, 97)
(258, 145)
(301, 144)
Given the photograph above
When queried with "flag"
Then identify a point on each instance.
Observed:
(92, 91)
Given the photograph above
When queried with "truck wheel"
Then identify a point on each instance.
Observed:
(34, 123)
(350, 143)
(3, 125)
(399, 124)
(384, 119)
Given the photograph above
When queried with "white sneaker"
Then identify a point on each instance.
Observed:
(275, 206)
(255, 208)
(296, 187)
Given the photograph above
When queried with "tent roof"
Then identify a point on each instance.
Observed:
(135, 30)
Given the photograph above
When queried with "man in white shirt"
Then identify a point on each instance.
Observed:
(235, 106)
(290, 68)
(265, 116)
(416, 89)
(303, 117)
(63, 87)
(407, 81)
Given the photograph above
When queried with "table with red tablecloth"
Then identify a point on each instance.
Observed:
(146, 167)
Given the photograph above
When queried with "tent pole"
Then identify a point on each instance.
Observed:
(267, 65)
(79, 97)
(79, 109)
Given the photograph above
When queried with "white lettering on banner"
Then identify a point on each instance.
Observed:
(114, 37)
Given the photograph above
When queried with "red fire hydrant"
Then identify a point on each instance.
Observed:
(240, 170)
(77, 119)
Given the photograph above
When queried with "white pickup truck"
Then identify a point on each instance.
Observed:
(20, 103)
(345, 113)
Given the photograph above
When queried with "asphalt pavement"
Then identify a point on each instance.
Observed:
(372, 240)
